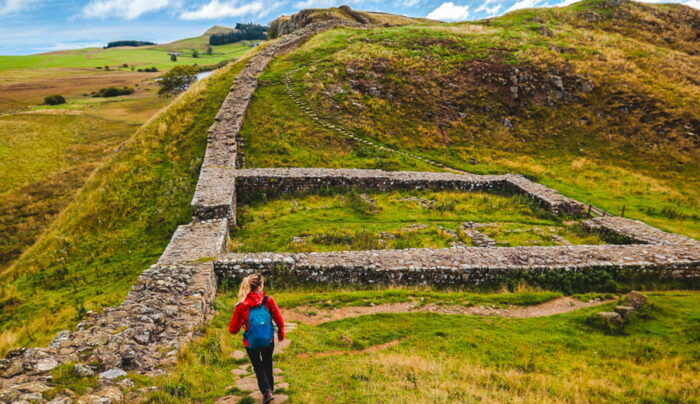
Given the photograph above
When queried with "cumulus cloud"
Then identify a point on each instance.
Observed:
(524, 4)
(217, 9)
(15, 6)
(693, 4)
(492, 10)
(129, 9)
(449, 12)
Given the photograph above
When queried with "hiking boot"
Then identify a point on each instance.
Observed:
(268, 397)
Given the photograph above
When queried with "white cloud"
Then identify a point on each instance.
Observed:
(449, 12)
(524, 4)
(315, 3)
(216, 9)
(129, 9)
(489, 11)
(693, 3)
(409, 3)
(566, 3)
(15, 6)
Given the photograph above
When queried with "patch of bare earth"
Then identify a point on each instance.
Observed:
(373, 348)
(313, 315)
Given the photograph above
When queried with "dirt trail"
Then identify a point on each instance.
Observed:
(549, 308)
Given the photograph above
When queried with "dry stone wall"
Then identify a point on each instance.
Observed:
(464, 266)
(285, 180)
(634, 231)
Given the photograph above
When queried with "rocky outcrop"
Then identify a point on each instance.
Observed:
(295, 22)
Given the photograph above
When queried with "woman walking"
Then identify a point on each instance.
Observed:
(255, 312)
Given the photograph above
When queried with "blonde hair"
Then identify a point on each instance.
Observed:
(249, 284)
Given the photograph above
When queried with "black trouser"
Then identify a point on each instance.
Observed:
(262, 364)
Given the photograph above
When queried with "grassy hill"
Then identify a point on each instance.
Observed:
(116, 226)
(599, 100)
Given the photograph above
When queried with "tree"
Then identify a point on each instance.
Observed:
(177, 80)
(209, 50)
(195, 54)
(173, 57)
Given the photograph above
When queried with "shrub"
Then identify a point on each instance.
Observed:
(113, 92)
(54, 100)
(149, 70)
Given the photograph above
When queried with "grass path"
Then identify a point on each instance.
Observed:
(559, 305)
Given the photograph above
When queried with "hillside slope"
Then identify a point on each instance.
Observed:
(600, 100)
(116, 226)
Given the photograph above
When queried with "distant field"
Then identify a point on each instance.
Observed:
(47, 154)
(140, 57)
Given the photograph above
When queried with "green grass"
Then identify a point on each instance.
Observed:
(140, 57)
(116, 226)
(623, 144)
(452, 358)
(413, 219)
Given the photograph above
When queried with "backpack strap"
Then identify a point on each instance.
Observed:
(264, 301)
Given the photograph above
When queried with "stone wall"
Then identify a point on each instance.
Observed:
(634, 231)
(215, 192)
(284, 180)
(166, 306)
(465, 266)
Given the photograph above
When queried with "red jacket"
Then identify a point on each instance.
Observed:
(241, 311)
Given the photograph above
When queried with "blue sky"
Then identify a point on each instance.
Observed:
(32, 26)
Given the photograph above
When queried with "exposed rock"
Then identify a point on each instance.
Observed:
(238, 355)
(636, 300)
(46, 364)
(228, 400)
(610, 317)
(112, 374)
(247, 383)
(82, 371)
(31, 398)
(624, 311)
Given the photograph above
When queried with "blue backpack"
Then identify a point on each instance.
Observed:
(260, 329)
